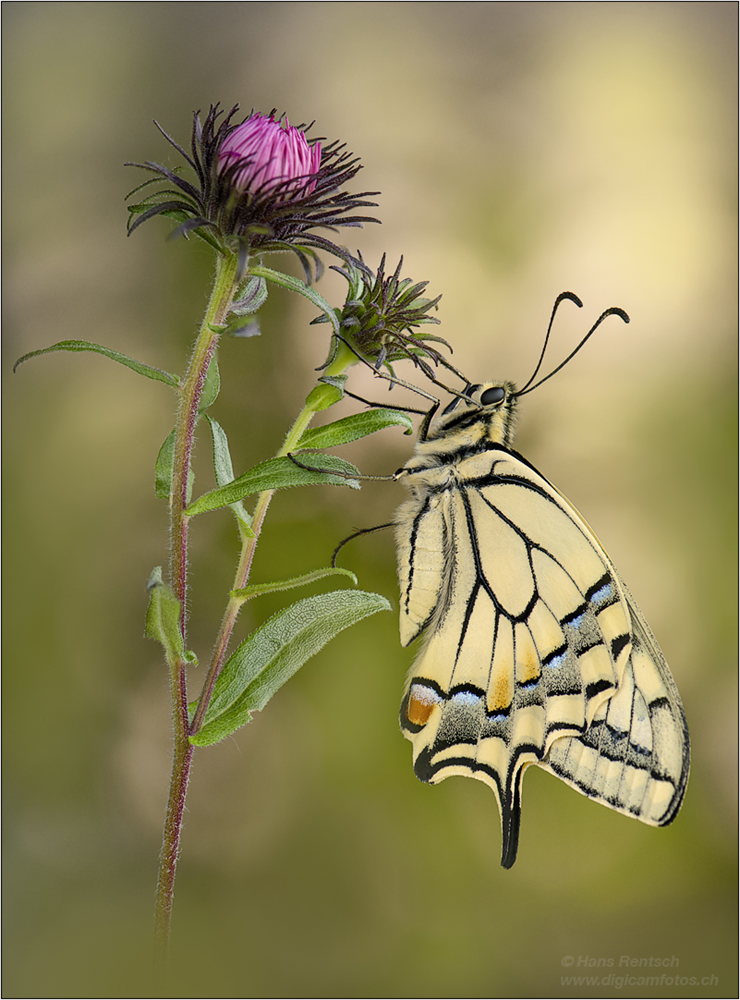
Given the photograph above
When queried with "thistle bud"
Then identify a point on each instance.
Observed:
(258, 186)
(265, 155)
(379, 316)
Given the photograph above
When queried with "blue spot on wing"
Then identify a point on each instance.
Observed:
(601, 595)
(556, 661)
(465, 698)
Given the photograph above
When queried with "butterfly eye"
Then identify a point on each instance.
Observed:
(493, 395)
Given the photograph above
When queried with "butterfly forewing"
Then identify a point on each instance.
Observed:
(532, 650)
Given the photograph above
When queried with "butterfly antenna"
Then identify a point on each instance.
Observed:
(563, 295)
(613, 311)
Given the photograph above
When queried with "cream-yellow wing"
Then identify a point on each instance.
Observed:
(532, 651)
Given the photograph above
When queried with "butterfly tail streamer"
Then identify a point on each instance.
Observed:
(510, 820)
(435, 723)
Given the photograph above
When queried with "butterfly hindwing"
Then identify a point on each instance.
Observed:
(634, 756)
(532, 650)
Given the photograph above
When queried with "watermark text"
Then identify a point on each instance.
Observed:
(620, 962)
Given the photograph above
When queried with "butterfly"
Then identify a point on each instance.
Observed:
(533, 651)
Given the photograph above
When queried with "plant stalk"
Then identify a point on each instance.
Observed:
(222, 295)
(241, 577)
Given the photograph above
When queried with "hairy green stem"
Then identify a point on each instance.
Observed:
(249, 545)
(222, 295)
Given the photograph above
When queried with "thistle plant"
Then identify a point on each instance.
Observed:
(250, 188)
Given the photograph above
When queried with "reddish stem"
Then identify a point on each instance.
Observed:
(192, 388)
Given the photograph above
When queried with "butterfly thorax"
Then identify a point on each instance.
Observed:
(467, 430)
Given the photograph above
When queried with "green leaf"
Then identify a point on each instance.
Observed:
(207, 236)
(163, 470)
(83, 345)
(274, 652)
(321, 397)
(351, 428)
(255, 589)
(338, 381)
(252, 296)
(166, 457)
(211, 386)
(224, 473)
(243, 328)
(275, 474)
(296, 285)
(163, 617)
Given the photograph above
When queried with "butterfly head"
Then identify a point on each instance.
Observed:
(486, 412)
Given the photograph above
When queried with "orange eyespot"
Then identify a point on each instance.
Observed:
(421, 704)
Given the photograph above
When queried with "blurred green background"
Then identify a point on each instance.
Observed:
(521, 149)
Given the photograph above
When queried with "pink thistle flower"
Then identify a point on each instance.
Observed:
(259, 186)
(266, 155)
